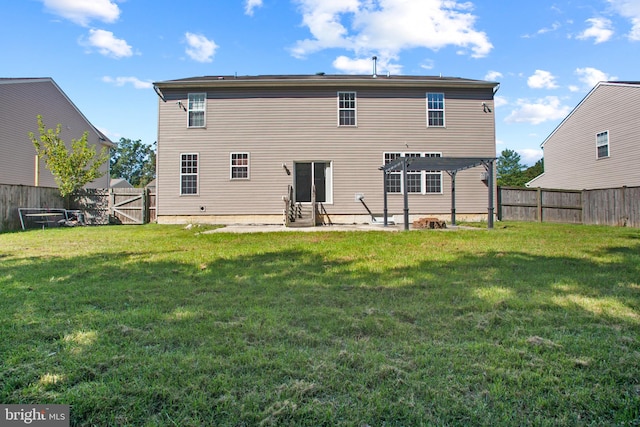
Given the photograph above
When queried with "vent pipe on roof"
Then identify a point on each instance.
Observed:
(375, 63)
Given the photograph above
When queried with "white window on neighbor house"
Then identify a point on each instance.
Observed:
(188, 173)
(239, 165)
(346, 108)
(197, 109)
(418, 182)
(435, 109)
(602, 144)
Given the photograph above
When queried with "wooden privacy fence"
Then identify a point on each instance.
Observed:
(99, 206)
(611, 206)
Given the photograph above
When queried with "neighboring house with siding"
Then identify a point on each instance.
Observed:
(598, 144)
(229, 148)
(21, 101)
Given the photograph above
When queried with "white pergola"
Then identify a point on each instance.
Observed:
(451, 165)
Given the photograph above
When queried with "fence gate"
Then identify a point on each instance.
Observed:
(128, 205)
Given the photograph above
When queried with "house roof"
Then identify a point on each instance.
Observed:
(321, 79)
(604, 83)
(22, 80)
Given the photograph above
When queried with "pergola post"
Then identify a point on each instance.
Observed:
(453, 196)
(385, 210)
(490, 185)
(406, 193)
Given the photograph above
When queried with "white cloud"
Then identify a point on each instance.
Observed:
(428, 64)
(500, 101)
(108, 45)
(200, 48)
(542, 80)
(600, 30)
(82, 12)
(629, 9)
(251, 5)
(538, 111)
(529, 156)
(493, 76)
(134, 81)
(386, 27)
(365, 66)
(592, 76)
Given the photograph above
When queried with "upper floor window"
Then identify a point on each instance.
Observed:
(346, 108)
(602, 144)
(189, 173)
(239, 165)
(196, 110)
(435, 109)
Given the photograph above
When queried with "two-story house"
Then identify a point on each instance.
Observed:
(21, 101)
(234, 149)
(598, 144)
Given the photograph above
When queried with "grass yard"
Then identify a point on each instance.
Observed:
(526, 324)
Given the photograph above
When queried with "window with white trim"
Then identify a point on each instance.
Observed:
(414, 178)
(394, 179)
(602, 144)
(418, 182)
(188, 173)
(239, 165)
(435, 109)
(433, 179)
(197, 109)
(346, 108)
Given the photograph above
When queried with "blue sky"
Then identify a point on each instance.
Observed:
(105, 54)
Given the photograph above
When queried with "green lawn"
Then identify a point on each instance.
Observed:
(526, 324)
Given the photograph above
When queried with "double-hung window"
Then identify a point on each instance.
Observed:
(197, 109)
(394, 179)
(433, 179)
(435, 109)
(418, 181)
(189, 173)
(239, 165)
(414, 178)
(346, 108)
(602, 144)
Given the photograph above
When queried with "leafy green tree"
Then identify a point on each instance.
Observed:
(533, 171)
(72, 169)
(510, 170)
(134, 161)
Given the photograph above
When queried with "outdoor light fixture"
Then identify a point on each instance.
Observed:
(286, 169)
(181, 105)
(486, 108)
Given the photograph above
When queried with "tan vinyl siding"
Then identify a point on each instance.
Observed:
(281, 126)
(20, 103)
(570, 152)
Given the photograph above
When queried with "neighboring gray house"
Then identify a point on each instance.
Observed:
(230, 148)
(21, 100)
(120, 183)
(598, 144)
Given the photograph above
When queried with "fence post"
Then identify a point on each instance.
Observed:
(539, 203)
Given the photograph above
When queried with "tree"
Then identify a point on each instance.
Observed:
(534, 171)
(71, 169)
(134, 161)
(510, 170)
